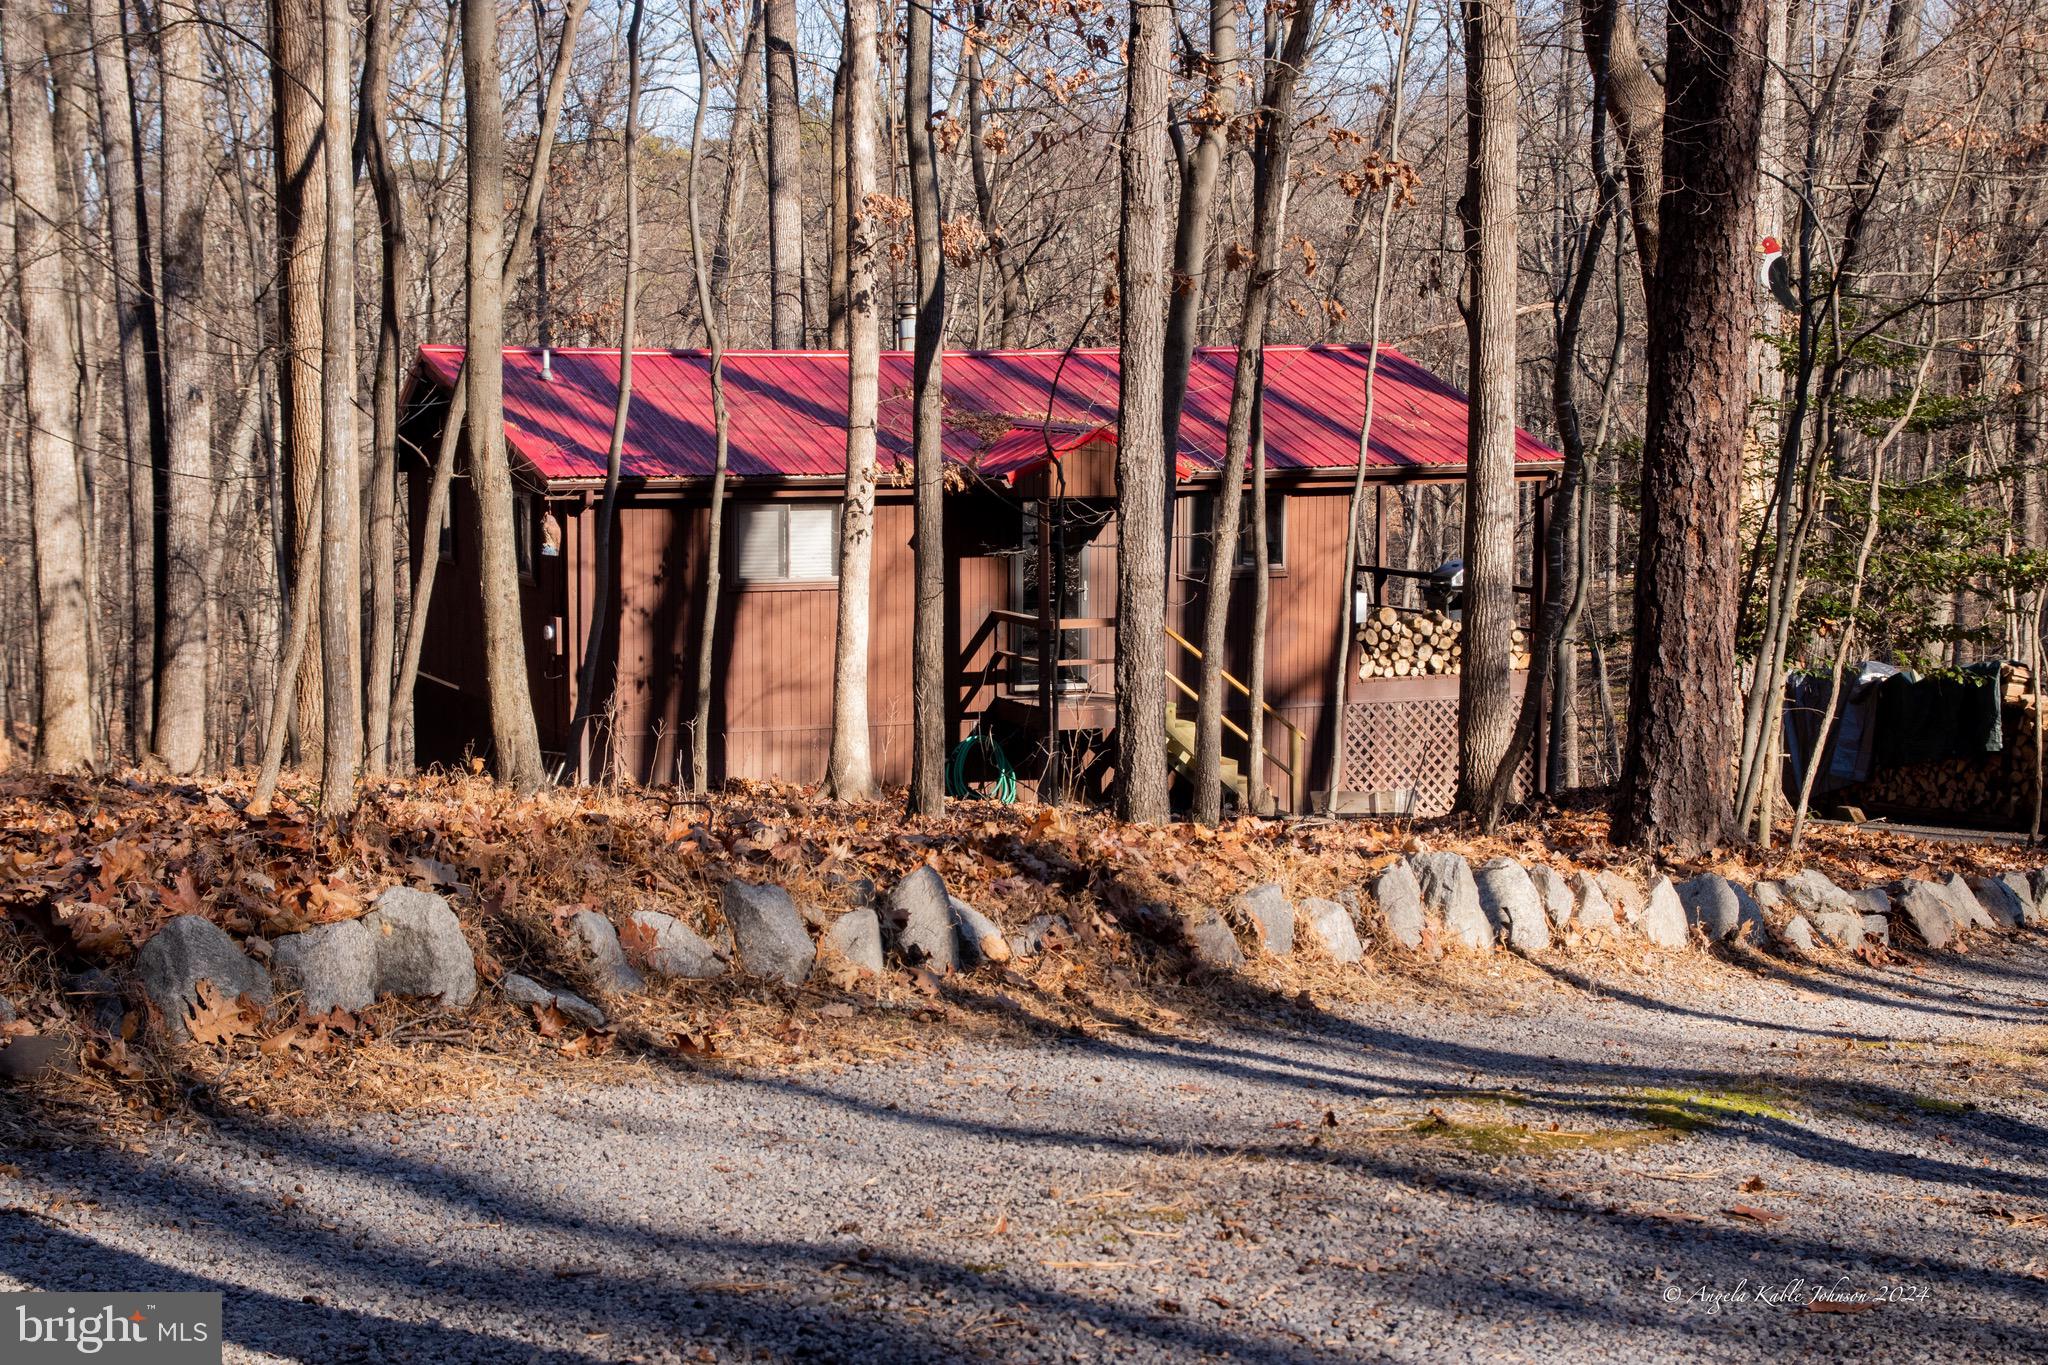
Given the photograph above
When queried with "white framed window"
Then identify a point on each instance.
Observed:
(785, 542)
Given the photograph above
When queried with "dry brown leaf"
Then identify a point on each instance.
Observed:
(1754, 1214)
(215, 1019)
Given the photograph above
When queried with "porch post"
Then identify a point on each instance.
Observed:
(1048, 650)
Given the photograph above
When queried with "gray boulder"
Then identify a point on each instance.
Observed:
(1878, 927)
(2022, 888)
(769, 930)
(1212, 942)
(1663, 917)
(331, 966)
(1843, 928)
(1969, 912)
(673, 949)
(603, 955)
(1797, 936)
(1592, 910)
(97, 998)
(420, 948)
(1870, 900)
(1556, 894)
(1623, 895)
(980, 938)
(921, 918)
(1929, 909)
(857, 937)
(2040, 915)
(1399, 897)
(187, 951)
(1771, 896)
(1270, 915)
(1448, 889)
(1330, 926)
(2007, 910)
(1721, 909)
(525, 991)
(1512, 904)
(1810, 890)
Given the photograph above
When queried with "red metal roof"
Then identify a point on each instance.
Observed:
(788, 409)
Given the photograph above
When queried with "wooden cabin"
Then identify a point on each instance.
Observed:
(1031, 547)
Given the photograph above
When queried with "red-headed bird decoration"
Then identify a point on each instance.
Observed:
(1775, 274)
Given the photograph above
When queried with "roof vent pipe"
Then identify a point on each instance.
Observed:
(906, 326)
(547, 364)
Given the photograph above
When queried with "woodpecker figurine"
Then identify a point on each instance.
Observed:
(1775, 274)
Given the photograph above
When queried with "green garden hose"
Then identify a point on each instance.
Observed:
(957, 785)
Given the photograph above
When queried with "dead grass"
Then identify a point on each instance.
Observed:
(89, 869)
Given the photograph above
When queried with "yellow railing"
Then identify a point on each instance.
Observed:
(1297, 742)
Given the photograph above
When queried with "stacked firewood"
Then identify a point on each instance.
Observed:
(1995, 789)
(1393, 643)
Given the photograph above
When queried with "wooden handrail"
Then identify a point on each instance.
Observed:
(1296, 740)
(1266, 706)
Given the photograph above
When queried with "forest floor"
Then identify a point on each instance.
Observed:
(1598, 1161)
(1601, 1152)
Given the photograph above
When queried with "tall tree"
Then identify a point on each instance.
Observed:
(454, 424)
(515, 739)
(1199, 171)
(1271, 144)
(928, 628)
(373, 139)
(341, 576)
(711, 284)
(849, 772)
(296, 82)
(1142, 459)
(785, 180)
(1486, 710)
(135, 329)
(49, 374)
(181, 690)
(1677, 781)
(622, 407)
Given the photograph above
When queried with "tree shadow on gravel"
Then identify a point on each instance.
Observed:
(546, 1275)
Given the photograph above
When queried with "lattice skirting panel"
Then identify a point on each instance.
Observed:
(1406, 739)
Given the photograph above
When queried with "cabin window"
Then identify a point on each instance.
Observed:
(786, 542)
(1276, 532)
(522, 532)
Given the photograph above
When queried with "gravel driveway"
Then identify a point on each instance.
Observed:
(1746, 1162)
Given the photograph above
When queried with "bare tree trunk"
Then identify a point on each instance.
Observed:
(785, 181)
(373, 135)
(135, 315)
(1142, 459)
(711, 307)
(1340, 679)
(458, 399)
(180, 739)
(849, 775)
(1636, 99)
(1486, 711)
(50, 378)
(928, 707)
(739, 139)
(515, 741)
(838, 283)
(1009, 292)
(301, 236)
(341, 570)
(608, 509)
(1199, 172)
(1677, 785)
(1274, 139)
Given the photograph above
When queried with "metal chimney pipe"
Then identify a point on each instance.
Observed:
(906, 326)
(547, 364)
